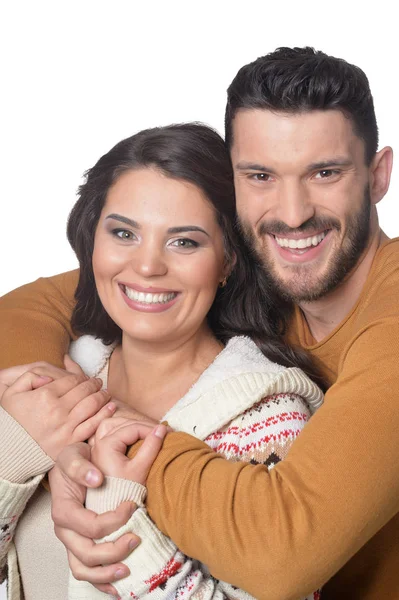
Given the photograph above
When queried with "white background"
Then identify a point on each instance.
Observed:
(76, 77)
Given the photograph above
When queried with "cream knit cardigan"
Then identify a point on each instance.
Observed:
(239, 378)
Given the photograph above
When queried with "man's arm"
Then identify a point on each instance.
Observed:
(282, 533)
(35, 321)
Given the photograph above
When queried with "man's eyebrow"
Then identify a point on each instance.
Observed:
(185, 228)
(329, 163)
(249, 166)
(124, 220)
(323, 164)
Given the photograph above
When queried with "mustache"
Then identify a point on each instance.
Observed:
(310, 226)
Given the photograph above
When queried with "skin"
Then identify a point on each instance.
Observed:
(55, 407)
(299, 175)
(161, 234)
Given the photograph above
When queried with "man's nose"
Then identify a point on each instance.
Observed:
(294, 205)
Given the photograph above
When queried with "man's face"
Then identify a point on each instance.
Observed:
(302, 197)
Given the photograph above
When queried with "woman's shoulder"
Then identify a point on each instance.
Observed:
(91, 354)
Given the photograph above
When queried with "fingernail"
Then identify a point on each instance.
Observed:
(92, 477)
(119, 573)
(133, 543)
(100, 381)
(111, 407)
(160, 431)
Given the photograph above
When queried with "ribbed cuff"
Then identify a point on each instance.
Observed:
(21, 457)
(114, 491)
(150, 557)
(14, 496)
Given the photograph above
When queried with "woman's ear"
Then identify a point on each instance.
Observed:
(380, 174)
(229, 266)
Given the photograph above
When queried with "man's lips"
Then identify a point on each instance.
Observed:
(300, 250)
(300, 241)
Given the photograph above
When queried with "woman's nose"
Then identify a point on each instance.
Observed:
(149, 261)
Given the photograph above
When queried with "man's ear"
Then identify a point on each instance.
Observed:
(380, 174)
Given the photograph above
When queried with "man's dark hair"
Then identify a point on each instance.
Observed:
(303, 79)
(195, 153)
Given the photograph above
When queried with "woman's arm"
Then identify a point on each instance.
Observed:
(35, 321)
(23, 464)
(38, 416)
(157, 567)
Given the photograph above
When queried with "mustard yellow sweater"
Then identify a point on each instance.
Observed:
(330, 510)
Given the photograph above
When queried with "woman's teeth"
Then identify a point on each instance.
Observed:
(147, 298)
(302, 243)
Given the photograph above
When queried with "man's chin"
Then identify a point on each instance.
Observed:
(296, 283)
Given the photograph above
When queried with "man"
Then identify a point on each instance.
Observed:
(303, 138)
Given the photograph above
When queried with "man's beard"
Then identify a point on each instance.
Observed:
(303, 285)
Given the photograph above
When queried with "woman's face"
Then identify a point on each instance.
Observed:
(158, 256)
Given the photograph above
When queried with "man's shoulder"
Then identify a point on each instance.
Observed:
(382, 288)
(388, 253)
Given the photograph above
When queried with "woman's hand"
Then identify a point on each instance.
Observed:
(110, 442)
(75, 526)
(59, 412)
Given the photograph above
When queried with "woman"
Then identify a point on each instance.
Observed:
(164, 283)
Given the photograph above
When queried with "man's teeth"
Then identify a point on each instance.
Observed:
(149, 298)
(300, 244)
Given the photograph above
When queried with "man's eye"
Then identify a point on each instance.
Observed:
(123, 234)
(260, 176)
(326, 173)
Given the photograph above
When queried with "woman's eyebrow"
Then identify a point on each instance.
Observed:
(132, 223)
(125, 220)
(185, 228)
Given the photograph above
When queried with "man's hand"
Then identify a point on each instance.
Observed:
(60, 412)
(46, 371)
(76, 527)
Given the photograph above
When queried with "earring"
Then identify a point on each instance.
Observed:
(223, 283)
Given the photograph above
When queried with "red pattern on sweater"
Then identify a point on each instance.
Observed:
(170, 569)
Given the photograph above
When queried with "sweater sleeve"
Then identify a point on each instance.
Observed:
(310, 514)
(35, 321)
(22, 467)
(158, 569)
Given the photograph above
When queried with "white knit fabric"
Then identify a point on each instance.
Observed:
(239, 378)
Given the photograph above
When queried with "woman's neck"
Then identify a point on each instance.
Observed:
(153, 377)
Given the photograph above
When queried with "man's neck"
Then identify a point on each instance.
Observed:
(324, 315)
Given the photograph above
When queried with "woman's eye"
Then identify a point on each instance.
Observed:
(123, 234)
(184, 243)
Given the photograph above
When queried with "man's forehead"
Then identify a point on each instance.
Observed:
(313, 136)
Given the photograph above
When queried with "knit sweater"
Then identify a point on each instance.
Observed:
(245, 407)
